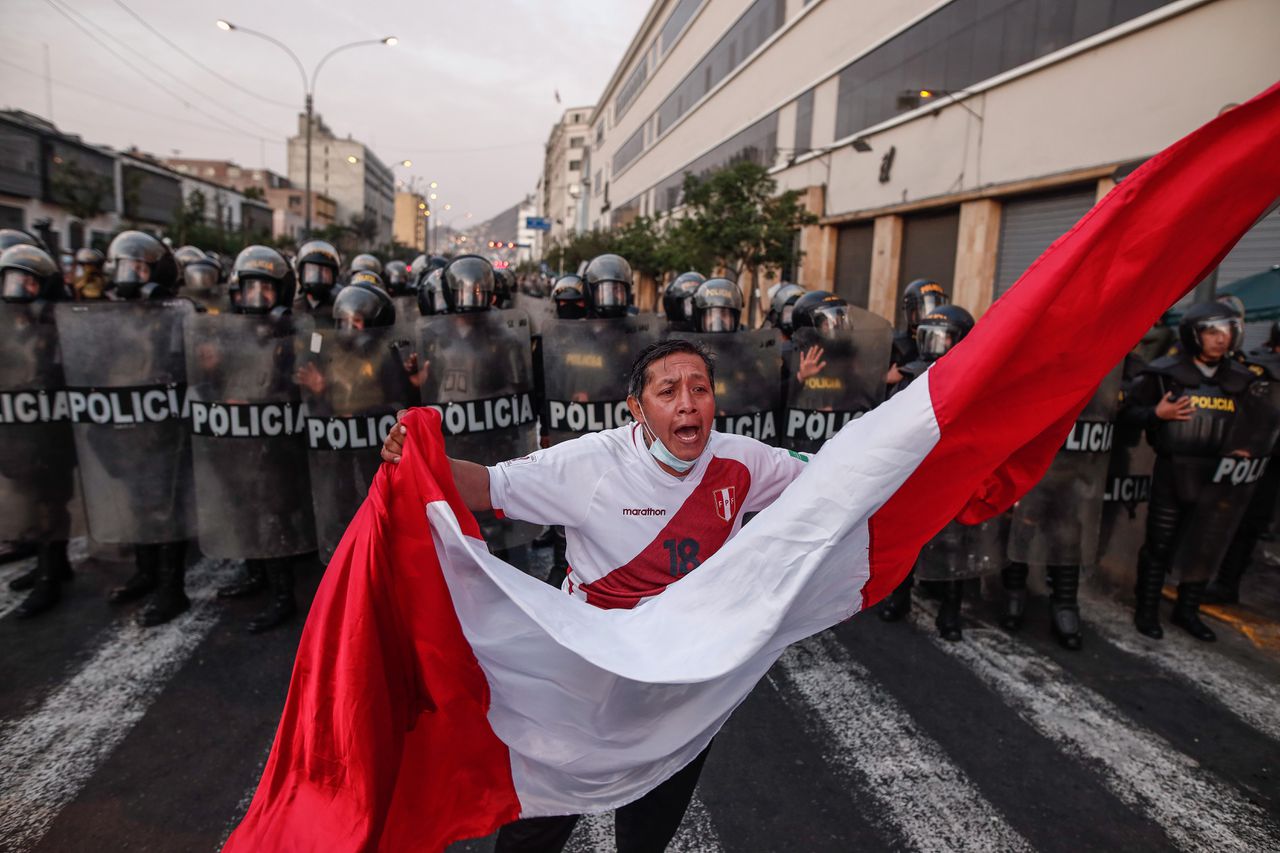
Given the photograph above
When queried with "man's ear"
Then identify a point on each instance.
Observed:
(633, 405)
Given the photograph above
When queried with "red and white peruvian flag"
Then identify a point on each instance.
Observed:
(439, 692)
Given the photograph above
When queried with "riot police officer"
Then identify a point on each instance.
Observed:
(782, 303)
(367, 306)
(717, 306)
(16, 236)
(317, 266)
(919, 298)
(396, 276)
(504, 288)
(959, 551)
(676, 299)
(200, 275)
(365, 262)
(1189, 404)
(144, 270)
(569, 296)
(87, 279)
(608, 279)
(431, 294)
(37, 460)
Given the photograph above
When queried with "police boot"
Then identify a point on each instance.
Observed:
(253, 580)
(948, 621)
(1225, 588)
(1014, 579)
(170, 599)
(47, 590)
(26, 580)
(1146, 593)
(1064, 611)
(898, 603)
(147, 560)
(1186, 613)
(282, 606)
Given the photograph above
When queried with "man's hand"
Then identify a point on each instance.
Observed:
(394, 442)
(894, 376)
(310, 377)
(811, 363)
(1169, 409)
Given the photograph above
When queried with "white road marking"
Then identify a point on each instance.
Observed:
(246, 799)
(1197, 810)
(50, 754)
(1245, 693)
(871, 741)
(9, 599)
(594, 833)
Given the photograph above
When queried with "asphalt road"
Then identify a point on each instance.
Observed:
(868, 737)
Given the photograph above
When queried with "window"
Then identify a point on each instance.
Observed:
(964, 43)
(599, 133)
(629, 151)
(597, 183)
(630, 89)
(758, 143)
(576, 141)
(674, 26)
(804, 122)
(761, 20)
(575, 165)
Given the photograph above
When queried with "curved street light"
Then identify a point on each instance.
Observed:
(308, 85)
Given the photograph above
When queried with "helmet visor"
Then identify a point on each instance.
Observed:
(316, 275)
(257, 295)
(132, 271)
(613, 294)
(1228, 326)
(785, 320)
(200, 276)
(934, 341)
(929, 302)
(19, 286)
(828, 318)
(719, 319)
(471, 295)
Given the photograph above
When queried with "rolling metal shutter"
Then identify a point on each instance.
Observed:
(1028, 226)
(853, 263)
(1257, 251)
(929, 249)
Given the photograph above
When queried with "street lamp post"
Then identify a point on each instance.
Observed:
(308, 88)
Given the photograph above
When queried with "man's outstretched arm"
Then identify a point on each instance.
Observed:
(471, 479)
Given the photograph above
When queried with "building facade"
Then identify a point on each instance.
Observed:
(360, 184)
(951, 140)
(411, 220)
(561, 189)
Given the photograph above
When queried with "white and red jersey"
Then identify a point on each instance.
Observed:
(630, 527)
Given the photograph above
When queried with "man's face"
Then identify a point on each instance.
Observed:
(678, 404)
(1214, 342)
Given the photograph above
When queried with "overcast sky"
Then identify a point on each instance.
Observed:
(468, 94)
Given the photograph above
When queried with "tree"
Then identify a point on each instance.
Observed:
(255, 193)
(735, 218)
(83, 193)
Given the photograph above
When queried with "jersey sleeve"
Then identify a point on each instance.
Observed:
(551, 486)
(772, 470)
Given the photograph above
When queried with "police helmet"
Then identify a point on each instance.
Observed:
(431, 294)
(1235, 303)
(941, 329)
(677, 299)
(87, 259)
(199, 271)
(921, 297)
(1206, 316)
(608, 279)
(504, 286)
(362, 304)
(28, 273)
(18, 237)
(263, 279)
(366, 263)
(468, 284)
(137, 260)
(570, 297)
(184, 255)
(317, 265)
(417, 270)
(396, 275)
(781, 306)
(821, 310)
(717, 306)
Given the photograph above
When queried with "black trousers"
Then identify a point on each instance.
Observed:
(645, 826)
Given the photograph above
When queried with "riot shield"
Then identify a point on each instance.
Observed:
(126, 373)
(352, 383)
(961, 551)
(406, 307)
(248, 447)
(539, 309)
(585, 365)
(1059, 521)
(479, 375)
(1226, 484)
(748, 390)
(851, 384)
(37, 455)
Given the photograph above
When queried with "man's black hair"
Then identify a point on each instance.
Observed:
(660, 350)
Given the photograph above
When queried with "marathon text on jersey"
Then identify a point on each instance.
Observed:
(473, 416)
(568, 416)
(145, 404)
(246, 420)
